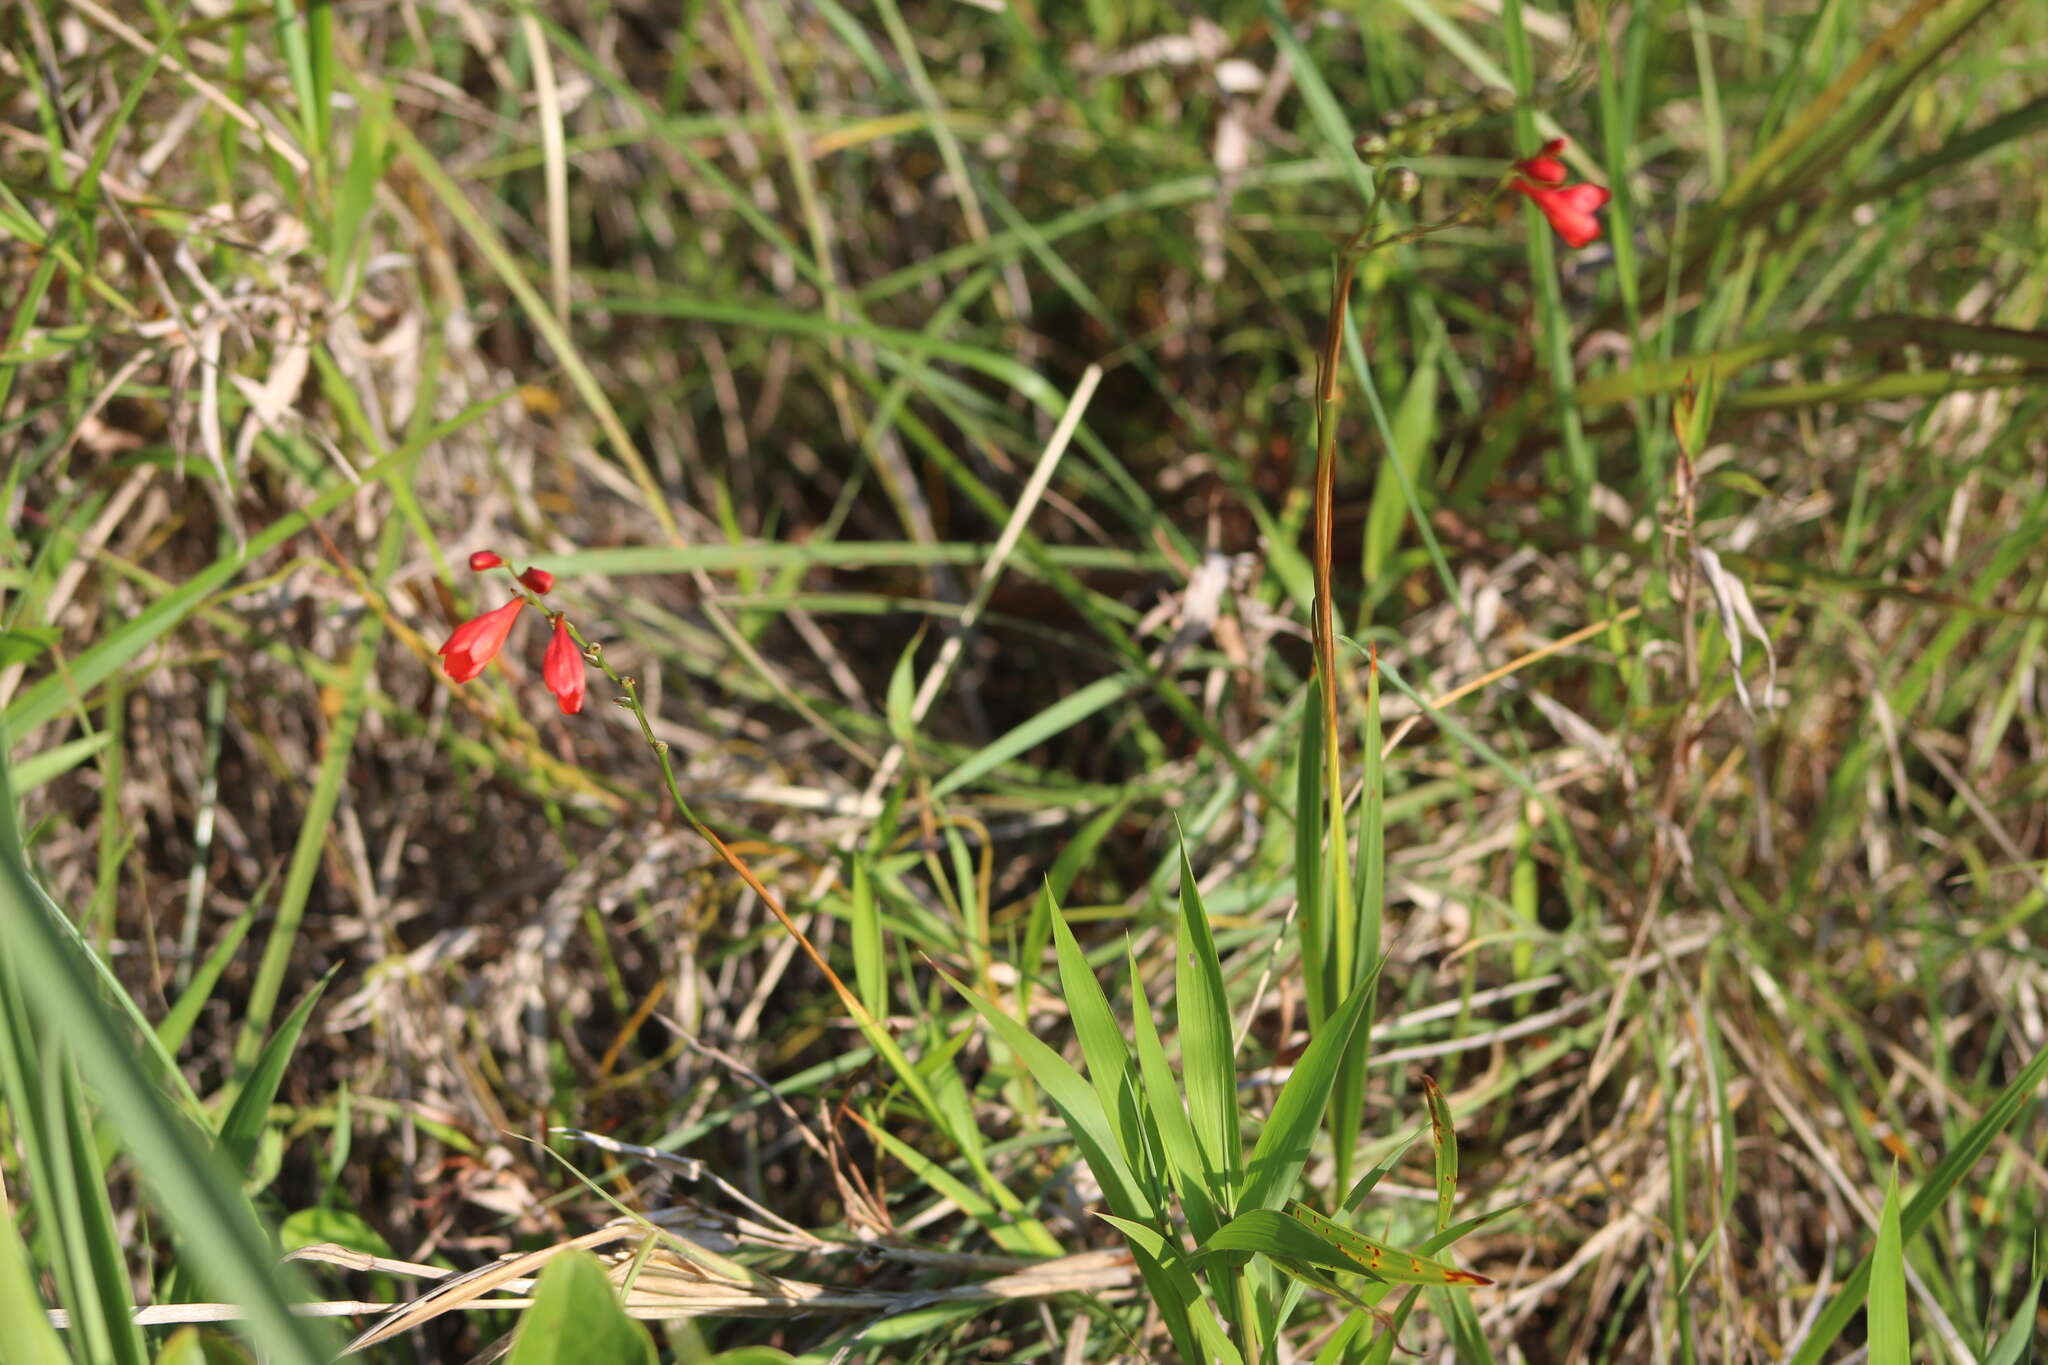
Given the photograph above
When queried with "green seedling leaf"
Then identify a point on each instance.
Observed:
(901, 700)
(2012, 1343)
(250, 1112)
(184, 1011)
(1890, 1343)
(576, 1320)
(36, 769)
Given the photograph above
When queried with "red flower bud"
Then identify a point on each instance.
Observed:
(482, 560)
(562, 670)
(539, 581)
(1544, 167)
(477, 641)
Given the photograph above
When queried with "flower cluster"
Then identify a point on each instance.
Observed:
(477, 641)
(1569, 208)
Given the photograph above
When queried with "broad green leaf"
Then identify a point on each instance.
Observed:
(1289, 1132)
(1887, 1333)
(1193, 1178)
(1208, 1056)
(1110, 1069)
(576, 1320)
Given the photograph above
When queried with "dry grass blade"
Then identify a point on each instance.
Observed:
(677, 1278)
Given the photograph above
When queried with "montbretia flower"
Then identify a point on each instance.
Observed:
(477, 641)
(562, 670)
(539, 581)
(1569, 208)
(1544, 167)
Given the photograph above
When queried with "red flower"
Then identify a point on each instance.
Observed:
(562, 670)
(482, 560)
(1568, 207)
(539, 580)
(1544, 167)
(477, 641)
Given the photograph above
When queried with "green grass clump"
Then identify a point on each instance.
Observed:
(1177, 789)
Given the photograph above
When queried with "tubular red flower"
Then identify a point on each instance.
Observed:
(1544, 167)
(562, 670)
(484, 559)
(539, 580)
(1568, 207)
(477, 641)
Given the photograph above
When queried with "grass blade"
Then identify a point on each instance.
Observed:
(1208, 1058)
(197, 1192)
(1887, 1332)
(1077, 1103)
(1286, 1136)
(1941, 1182)
(250, 1112)
(1443, 1137)
(1110, 1068)
(1192, 1177)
